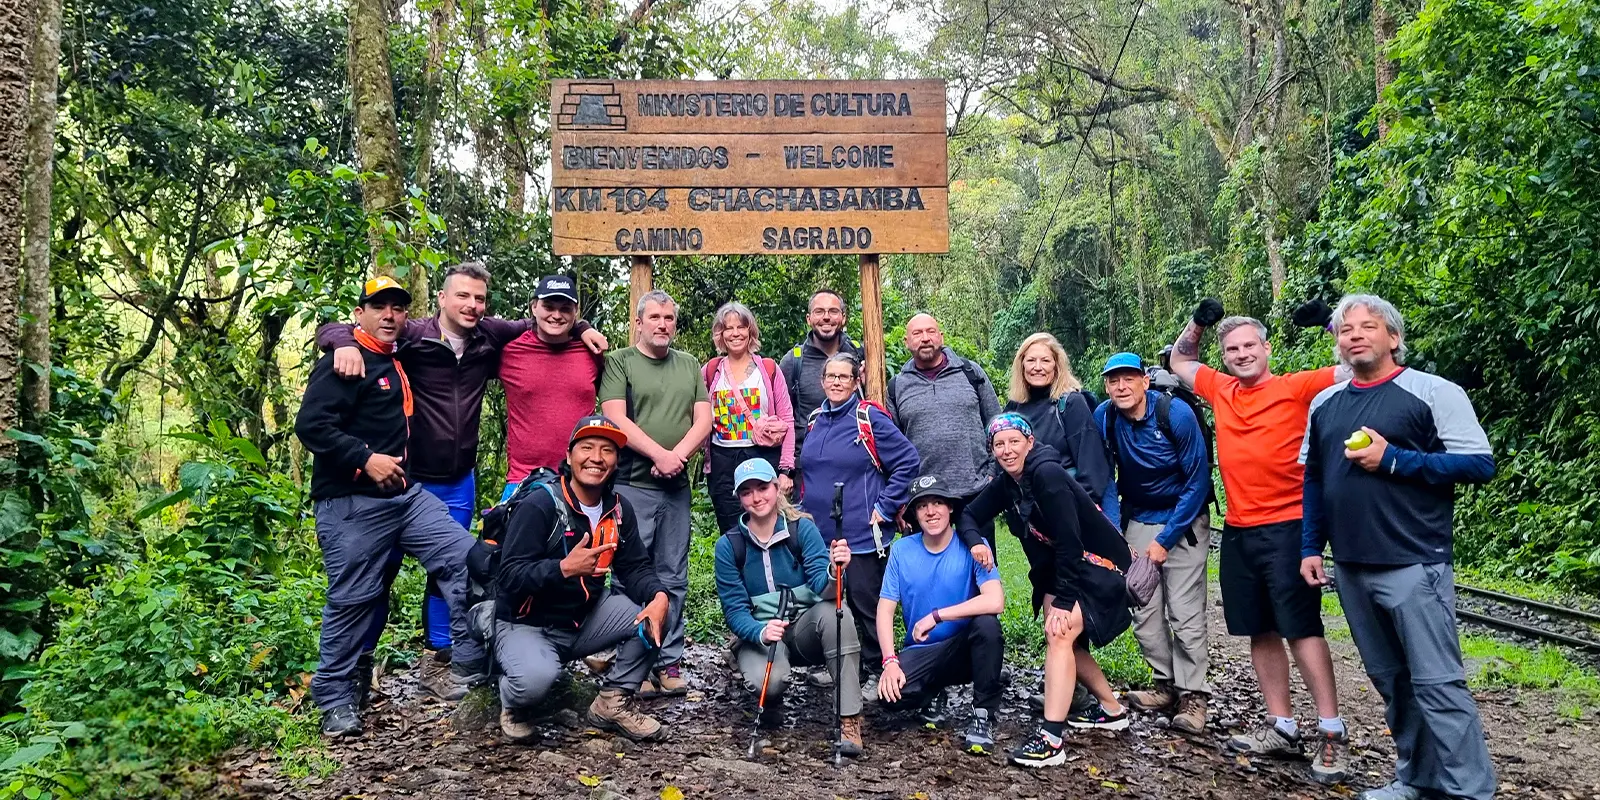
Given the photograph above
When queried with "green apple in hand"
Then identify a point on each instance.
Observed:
(1357, 441)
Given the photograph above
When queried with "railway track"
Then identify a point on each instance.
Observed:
(1580, 628)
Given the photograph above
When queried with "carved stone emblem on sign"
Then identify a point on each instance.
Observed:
(591, 107)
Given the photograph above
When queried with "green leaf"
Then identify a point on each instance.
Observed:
(22, 605)
(18, 646)
(20, 672)
(250, 452)
(24, 756)
(165, 502)
(344, 173)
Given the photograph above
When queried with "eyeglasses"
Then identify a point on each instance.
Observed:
(838, 378)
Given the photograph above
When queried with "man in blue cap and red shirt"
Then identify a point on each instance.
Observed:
(1158, 501)
(369, 505)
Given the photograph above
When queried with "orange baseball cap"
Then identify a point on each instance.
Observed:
(381, 284)
(598, 425)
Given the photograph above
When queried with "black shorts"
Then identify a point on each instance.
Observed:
(1262, 591)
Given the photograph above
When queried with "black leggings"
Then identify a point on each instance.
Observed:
(971, 656)
(863, 579)
(724, 460)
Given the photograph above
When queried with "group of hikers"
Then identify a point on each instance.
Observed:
(838, 515)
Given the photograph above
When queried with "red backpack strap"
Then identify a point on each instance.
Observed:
(772, 369)
(864, 433)
(709, 372)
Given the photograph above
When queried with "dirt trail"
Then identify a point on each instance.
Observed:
(411, 750)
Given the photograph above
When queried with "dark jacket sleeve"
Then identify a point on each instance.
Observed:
(1085, 446)
(500, 332)
(1053, 500)
(526, 567)
(900, 463)
(632, 561)
(981, 510)
(334, 335)
(324, 408)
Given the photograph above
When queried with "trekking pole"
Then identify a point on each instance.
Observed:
(838, 633)
(772, 654)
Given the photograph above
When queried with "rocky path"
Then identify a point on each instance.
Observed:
(413, 750)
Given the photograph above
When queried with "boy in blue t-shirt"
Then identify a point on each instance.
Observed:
(952, 608)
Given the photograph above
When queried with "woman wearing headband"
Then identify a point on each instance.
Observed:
(1075, 562)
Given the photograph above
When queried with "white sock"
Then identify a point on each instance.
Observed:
(1331, 724)
(1285, 725)
(1054, 740)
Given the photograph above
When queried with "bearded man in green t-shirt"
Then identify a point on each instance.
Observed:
(656, 396)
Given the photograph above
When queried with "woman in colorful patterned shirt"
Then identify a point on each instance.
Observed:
(751, 415)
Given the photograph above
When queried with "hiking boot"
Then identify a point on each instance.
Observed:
(1098, 717)
(979, 739)
(341, 721)
(1330, 764)
(771, 717)
(933, 710)
(1191, 716)
(364, 671)
(820, 678)
(1266, 740)
(1039, 752)
(850, 736)
(1161, 699)
(516, 725)
(613, 709)
(869, 689)
(666, 682)
(600, 663)
(454, 683)
(1394, 791)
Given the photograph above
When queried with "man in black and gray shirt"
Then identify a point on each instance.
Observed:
(943, 404)
(1383, 454)
(802, 366)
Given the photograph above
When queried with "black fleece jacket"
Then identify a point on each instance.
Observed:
(532, 590)
(1068, 426)
(1063, 524)
(344, 422)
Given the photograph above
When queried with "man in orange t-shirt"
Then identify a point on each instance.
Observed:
(1260, 422)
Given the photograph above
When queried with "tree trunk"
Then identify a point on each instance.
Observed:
(1244, 132)
(516, 185)
(1383, 68)
(438, 28)
(377, 141)
(16, 46)
(41, 152)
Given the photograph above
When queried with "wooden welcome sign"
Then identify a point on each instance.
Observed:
(644, 168)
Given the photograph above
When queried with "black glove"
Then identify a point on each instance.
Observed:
(1312, 314)
(1208, 313)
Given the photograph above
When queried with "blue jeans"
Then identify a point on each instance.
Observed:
(459, 497)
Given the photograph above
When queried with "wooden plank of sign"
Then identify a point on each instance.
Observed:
(585, 158)
(794, 107)
(679, 230)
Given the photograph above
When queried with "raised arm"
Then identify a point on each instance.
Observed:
(1186, 349)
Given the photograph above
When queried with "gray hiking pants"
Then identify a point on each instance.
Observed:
(357, 534)
(1171, 628)
(531, 657)
(808, 642)
(663, 517)
(1403, 620)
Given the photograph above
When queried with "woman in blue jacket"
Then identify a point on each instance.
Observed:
(854, 442)
(776, 548)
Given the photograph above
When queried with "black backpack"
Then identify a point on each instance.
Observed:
(483, 559)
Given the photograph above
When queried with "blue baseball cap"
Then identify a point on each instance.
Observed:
(756, 469)
(1123, 361)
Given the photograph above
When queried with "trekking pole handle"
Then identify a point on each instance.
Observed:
(838, 503)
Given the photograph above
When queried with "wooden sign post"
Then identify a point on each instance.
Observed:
(645, 168)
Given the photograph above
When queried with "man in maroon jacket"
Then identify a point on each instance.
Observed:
(449, 358)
